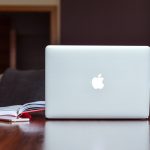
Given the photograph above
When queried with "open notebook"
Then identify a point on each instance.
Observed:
(21, 112)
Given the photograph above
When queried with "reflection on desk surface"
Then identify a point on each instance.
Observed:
(97, 135)
(41, 134)
(22, 136)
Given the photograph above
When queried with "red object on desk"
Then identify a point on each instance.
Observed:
(25, 115)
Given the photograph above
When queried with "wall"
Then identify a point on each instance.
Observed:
(105, 22)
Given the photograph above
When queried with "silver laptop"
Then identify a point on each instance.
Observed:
(97, 81)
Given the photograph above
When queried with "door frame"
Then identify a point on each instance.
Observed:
(53, 16)
(53, 24)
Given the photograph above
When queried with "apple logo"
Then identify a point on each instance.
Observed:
(97, 82)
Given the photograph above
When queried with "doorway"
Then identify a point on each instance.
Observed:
(29, 30)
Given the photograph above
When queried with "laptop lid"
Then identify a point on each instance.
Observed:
(97, 81)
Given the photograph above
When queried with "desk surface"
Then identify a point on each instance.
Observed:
(41, 134)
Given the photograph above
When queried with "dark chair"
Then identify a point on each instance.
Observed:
(19, 87)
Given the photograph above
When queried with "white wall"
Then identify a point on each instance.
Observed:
(29, 2)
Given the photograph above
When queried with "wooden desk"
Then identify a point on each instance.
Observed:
(22, 136)
(33, 135)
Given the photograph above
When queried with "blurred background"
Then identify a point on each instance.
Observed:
(27, 26)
